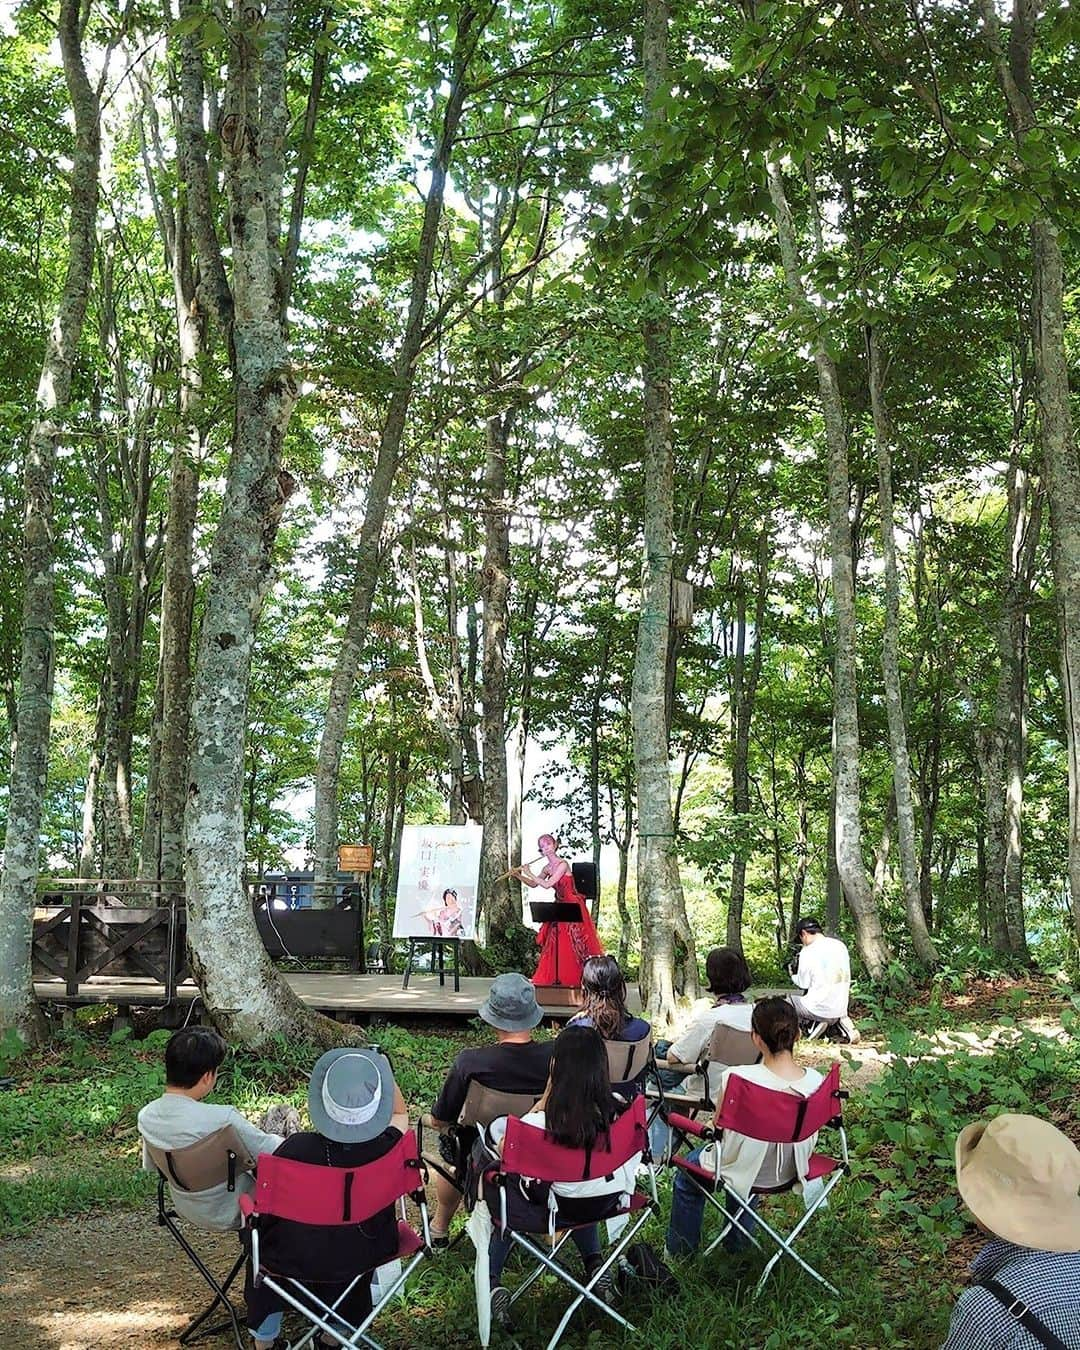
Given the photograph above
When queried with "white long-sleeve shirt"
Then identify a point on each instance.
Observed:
(824, 971)
(173, 1121)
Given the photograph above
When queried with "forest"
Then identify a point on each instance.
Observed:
(660, 413)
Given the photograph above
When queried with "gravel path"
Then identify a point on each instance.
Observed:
(90, 1284)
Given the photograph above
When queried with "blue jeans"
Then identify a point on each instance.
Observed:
(269, 1327)
(587, 1241)
(688, 1209)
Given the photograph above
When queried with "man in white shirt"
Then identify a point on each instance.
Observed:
(824, 975)
(181, 1116)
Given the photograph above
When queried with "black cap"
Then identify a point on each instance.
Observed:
(807, 925)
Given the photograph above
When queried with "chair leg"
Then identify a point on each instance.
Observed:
(787, 1244)
(192, 1331)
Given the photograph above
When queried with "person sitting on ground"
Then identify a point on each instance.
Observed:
(358, 1114)
(824, 975)
(728, 978)
(515, 1063)
(746, 1162)
(181, 1116)
(1019, 1177)
(576, 1110)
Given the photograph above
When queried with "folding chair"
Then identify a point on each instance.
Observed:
(782, 1119)
(528, 1153)
(212, 1161)
(627, 1060)
(727, 1047)
(482, 1105)
(308, 1193)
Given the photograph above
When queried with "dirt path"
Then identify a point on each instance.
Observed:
(107, 1281)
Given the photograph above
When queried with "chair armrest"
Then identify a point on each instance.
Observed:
(688, 1126)
(247, 1205)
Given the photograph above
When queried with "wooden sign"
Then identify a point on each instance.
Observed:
(356, 857)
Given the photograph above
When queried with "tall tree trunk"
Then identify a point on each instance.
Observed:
(516, 771)
(498, 898)
(149, 863)
(243, 992)
(873, 947)
(1001, 745)
(470, 28)
(890, 666)
(178, 587)
(26, 786)
(884, 848)
(1057, 440)
(88, 850)
(665, 971)
(744, 693)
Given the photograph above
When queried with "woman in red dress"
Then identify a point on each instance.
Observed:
(576, 942)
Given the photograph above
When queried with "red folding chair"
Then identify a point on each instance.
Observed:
(781, 1119)
(345, 1196)
(529, 1153)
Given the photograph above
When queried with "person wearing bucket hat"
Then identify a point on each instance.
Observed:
(358, 1114)
(515, 1063)
(1019, 1177)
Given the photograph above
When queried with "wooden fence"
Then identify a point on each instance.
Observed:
(119, 928)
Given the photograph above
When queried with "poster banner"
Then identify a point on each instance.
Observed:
(438, 872)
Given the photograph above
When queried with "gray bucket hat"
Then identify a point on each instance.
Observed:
(511, 1004)
(351, 1094)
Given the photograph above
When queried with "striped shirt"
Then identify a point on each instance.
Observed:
(1047, 1282)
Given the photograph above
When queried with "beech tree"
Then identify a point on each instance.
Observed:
(33, 710)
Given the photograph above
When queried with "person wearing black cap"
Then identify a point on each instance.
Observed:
(359, 1115)
(824, 976)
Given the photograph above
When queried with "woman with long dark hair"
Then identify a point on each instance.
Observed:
(603, 1002)
(576, 1110)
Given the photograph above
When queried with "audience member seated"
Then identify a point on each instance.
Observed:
(1019, 1176)
(181, 1116)
(603, 1002)
(359, 1115)
(823, 974)
(728, 978)
(747, 1162)
(515, 1063)
(576, 1109)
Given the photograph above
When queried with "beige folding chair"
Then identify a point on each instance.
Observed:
(727, 1047)
(628, 1060)
(482, 1105)
(213, 1161)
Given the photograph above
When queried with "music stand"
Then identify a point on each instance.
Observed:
(555, 912)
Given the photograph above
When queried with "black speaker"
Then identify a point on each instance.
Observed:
(586, 879)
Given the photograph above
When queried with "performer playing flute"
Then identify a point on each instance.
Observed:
(576, 941)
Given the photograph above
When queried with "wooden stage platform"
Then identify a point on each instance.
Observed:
(347, 995)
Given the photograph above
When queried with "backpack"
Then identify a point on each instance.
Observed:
(641, 1270)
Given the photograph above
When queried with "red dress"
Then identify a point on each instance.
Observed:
(576, 941)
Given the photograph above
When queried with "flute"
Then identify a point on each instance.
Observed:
(512, 870)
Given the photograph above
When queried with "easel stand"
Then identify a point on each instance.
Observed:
(438, 958)
(555, 912)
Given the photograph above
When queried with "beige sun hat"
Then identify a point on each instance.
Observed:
(1020, 1177)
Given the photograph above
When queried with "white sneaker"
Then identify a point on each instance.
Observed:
(851, 1031)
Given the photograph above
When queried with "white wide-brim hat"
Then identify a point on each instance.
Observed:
(351, 1094)
(1020, 1177)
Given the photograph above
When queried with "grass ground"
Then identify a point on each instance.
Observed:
(82, 1264)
